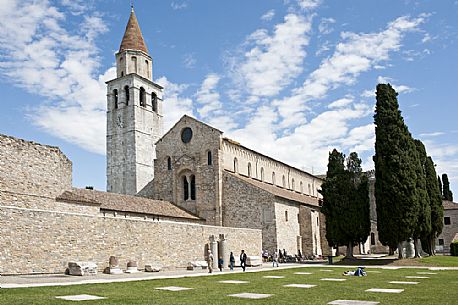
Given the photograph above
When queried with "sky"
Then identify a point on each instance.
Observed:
(292, 79)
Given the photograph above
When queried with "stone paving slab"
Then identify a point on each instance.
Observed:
(173, 288)
(273, 277)
(427, 273)
(352, 302)
(385, 290)
(233, 282)
(80, 297)
(248, 295)
(403, 283)
(333, 280)
(303, 273)
(299, 285)
(416, 277)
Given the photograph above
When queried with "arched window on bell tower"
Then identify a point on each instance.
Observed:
(142, 97)
(134, 62)
(154, 101)
(126, 92)
(115, 98)
(193, 187)
(185, 188)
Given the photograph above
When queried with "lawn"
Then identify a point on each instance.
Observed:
(440, 288)
(431, 261)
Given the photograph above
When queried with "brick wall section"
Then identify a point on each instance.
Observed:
(45, 241)
(32, 168)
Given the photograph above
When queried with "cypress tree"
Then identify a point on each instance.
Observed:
(345, 202)
(331, 191)
(447, 193)
(395, 171)
(423, 225)
(440, 184)
(435, 203)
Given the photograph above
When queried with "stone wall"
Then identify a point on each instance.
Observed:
(32, 168)
(246, 206)
(448, 231)
(263, 168)
(287, 222)
(40, 241)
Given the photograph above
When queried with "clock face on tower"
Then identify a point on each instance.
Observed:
(186, 135)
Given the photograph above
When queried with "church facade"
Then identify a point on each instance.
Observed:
(170, 197)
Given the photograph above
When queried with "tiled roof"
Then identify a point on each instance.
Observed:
(133, 38)
(449, 205)
(125, 203)
(278, 191)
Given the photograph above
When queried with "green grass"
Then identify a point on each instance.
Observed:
(431, 261)
(440, 261)
(439, 289)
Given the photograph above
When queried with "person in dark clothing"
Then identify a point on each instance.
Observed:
(243, 260)
(280, 256)
(231, 261)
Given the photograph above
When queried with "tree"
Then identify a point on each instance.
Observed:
(423, 225)
(440, 184)
(435, 203)
(447, 193)
(395, 171)
(345, 202)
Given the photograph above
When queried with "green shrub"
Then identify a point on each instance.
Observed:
(454, 248)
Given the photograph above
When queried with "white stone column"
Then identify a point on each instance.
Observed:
(223, 250)
(214, 250)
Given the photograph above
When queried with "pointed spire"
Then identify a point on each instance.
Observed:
(133, 39)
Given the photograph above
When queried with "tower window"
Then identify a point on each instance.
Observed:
(185, 188)
(301, 185)
(236, 165)
(134, 61)
(310, 190)
(126, 91)
(115, 97)
(286, 215)
(447, 220)
(154, 101)
(142, 97)
(283, 181)
(209, 158)
(193, 187)
(169, 163)
(292, 184)
(273, 178)
(249, 169)
(262, 173)
(147, 68)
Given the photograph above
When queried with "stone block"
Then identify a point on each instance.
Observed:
(197, 265)
(253, 261)
(82, 268)
(155, 267)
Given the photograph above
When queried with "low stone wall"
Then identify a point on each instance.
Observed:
(43, 241)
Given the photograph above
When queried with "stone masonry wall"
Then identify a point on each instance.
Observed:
(287, 222)
(40, 241)
(448, 231)
(32, 168)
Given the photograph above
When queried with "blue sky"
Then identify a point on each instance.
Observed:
(289, 78)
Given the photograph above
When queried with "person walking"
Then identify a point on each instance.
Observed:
(220, 264)
(231, 261)
(243, 260)
(210, 261)
(275, 259)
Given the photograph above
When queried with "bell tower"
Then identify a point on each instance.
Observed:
(134, 115)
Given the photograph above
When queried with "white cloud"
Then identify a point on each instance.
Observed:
(189, 61)
(208, 97)
(46, 59)
(179, 5)
(398, 88)
(175, 104)
(325, 25)
(356, 53)
(309, 4)
(341, 102)
(268, 15)
(432, 134)
(274, 60)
